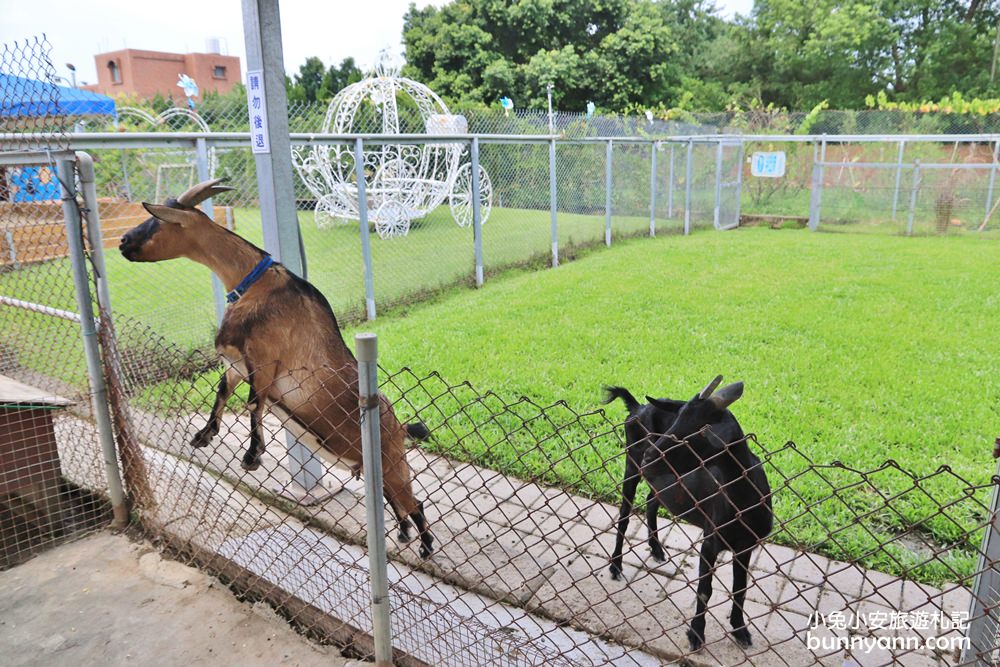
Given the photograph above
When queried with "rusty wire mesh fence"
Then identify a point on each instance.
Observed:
(52, 480)
(875, 566)
(523, 502)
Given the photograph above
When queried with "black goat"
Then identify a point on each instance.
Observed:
(703, 471)
(644, 426)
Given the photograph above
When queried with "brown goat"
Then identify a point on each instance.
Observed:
(280, 336)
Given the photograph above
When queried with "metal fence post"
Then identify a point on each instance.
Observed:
(816, 194)
(91, 346)
(993, 177)
(477, 218)
(553, 202)
(218, 292)
(11, 248)
(366, 345)
(899, 177)
(670, 185)
(652, 190)
(607, 195)
(687, 188)
(275, 185)
(913, 196)
(717, 212)
(366, 243)
(739, 182)
(88, 186)
(984, 612)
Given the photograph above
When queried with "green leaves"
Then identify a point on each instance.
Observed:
(613, 53)
(629, 54)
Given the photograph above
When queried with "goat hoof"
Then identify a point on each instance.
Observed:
(250, 465)
(742, 637)
(404, 531)
(656, 551)
(695, 640)
(426, 550)
(202, 439)
(616, 572)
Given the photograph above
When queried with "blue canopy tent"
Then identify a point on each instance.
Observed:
(33, 98)
(24, 100)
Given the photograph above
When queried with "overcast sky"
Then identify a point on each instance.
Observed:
(332, 30)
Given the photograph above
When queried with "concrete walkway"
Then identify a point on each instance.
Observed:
(105, 600)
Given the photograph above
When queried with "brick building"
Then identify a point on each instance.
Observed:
(143, 74)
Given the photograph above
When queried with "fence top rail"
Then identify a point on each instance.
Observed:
(121, 140)
(833, 138)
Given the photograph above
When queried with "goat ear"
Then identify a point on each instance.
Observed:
(727, 395)
(710, 387)
(170, 214)
(665, 404)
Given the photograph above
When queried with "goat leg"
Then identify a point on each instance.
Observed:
(404, 521)
(655, 546)
(252, 458)
(706, 565)
(741, 565)
(426, 539)
(226, 387)
(624, 514)
(399, 493)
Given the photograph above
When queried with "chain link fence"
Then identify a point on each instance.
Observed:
(881, 566)
(603, 190)
(874, 566)
(226, 114)
(53, 484)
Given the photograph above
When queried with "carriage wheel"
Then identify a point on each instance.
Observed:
(392, 220)
(460, 199)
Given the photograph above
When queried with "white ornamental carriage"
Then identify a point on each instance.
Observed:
(403, 182)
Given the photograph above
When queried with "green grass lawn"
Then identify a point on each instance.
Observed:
(175, 300)
(858, 348)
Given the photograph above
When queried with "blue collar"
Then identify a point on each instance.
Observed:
(251, 278)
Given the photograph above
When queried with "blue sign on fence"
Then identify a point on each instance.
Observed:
(768, 165)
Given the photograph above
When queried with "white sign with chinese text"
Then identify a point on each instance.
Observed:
(768, 165)
(259, 141)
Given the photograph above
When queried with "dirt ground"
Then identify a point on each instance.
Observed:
(106, 600)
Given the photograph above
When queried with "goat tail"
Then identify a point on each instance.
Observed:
(612, 393)
(417, 431)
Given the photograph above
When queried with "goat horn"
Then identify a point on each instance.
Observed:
(710, 387)
(727, 395)
(196, 194)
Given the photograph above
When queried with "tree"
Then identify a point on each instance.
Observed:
(317, 83)
(339, 77)
(308, 82)
(624, 54)
(843, 50)
(616, 53)
(942, 46)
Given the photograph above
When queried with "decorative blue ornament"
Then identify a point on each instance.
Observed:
(190, 88)
(507, 104)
